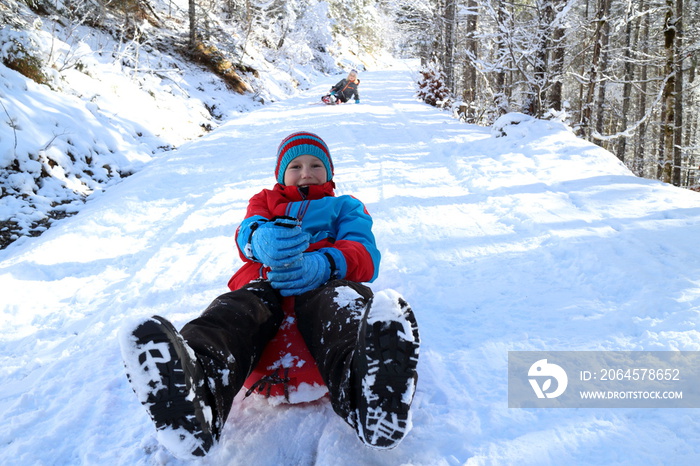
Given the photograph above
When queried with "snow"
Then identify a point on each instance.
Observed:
(386, 308)
(348, 298)
(532, 240)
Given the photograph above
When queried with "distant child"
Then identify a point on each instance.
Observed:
(302, 243)
(346, 89)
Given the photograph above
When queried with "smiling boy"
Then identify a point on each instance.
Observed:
(305, 170)
(303, 246)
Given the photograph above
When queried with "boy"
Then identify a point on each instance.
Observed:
(345, 89)
(298, 242)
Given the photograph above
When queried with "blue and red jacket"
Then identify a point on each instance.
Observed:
(340, 226)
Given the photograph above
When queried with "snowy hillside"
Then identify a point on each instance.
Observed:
(534, 240)
(108, 105)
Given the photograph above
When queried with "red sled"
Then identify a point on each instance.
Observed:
(286, 372)
(330, 100)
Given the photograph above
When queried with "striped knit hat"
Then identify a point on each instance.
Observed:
(302, 143)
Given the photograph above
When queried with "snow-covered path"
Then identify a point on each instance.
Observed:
(532, 241)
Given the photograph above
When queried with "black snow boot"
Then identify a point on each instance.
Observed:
(168, 380)
(384, 371)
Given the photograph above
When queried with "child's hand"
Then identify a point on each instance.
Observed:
(310, 272)
(279, 243)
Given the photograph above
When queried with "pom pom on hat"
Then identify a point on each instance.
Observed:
(302, 143)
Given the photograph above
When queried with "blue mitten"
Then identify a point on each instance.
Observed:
(310, 272)
(357, 101)
(278, 243)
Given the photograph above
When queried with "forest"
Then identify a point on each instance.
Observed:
(620, 73)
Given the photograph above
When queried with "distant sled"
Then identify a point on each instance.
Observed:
(330, 100)
(327, 100)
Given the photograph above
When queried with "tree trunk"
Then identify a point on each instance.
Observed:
(668, 98)
(627, 86)
(639, 165)
(554, 98)
(587, 104)
(692, 131)
(678, 91)
(448, 64)
(193, 24)
(540, 79)
(469, 88)
(603, 40)
(501, 94)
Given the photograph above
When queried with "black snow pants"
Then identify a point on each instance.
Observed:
(231, 334)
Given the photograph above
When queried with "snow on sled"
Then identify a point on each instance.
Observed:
(330, 100)
(286, 372)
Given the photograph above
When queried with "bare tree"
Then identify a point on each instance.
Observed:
(601, 12)
(678, 93)
(668, 114)
(193, 23)
(557, 50)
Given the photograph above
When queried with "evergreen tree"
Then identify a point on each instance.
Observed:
(432, 86)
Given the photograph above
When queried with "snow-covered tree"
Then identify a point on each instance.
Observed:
(432, 86)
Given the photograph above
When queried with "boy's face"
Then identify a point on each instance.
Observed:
(352, 77)
(305, 170)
